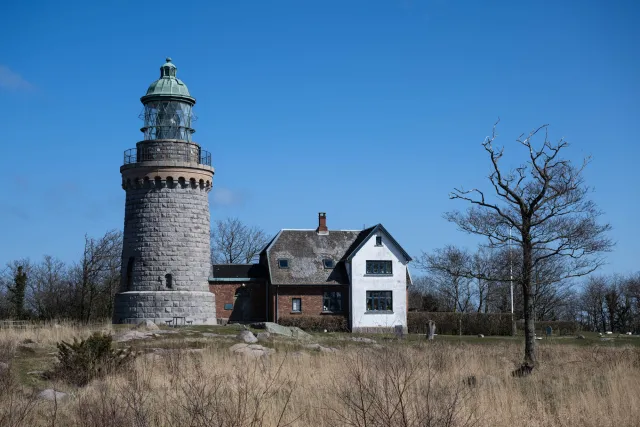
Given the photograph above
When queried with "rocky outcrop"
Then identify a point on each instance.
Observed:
(263, 336)
(251, 350)
(147, 325)
(247, 336)
(321, 349)
(287, 331)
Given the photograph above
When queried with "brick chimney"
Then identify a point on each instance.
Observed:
(322, 223)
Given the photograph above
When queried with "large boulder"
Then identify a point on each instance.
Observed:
(147, 325)
(247, 336)
(287, 331)
(251, 350)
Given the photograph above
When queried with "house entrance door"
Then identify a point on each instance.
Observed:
(241, 305)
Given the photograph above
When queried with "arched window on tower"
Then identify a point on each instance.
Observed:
(168, 280)
(130, 272)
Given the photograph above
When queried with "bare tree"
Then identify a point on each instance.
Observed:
(233, 242)
(450, 271)
(545, 202)
(422, 296)
(49, 294)
(482, 266)
(96, 276)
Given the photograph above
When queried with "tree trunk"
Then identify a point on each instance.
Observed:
(527, 294)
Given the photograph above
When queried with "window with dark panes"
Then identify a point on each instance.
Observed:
(327, 262)
(332, 301)
(379, 301)
(283, 263)
(379, 267)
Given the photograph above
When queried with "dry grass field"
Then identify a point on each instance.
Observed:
(191, 378)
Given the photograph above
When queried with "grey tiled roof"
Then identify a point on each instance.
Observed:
(305, 250)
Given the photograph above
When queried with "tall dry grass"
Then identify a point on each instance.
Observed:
(49, 333)
(398, 385)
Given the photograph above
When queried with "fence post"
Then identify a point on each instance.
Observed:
(432, 330)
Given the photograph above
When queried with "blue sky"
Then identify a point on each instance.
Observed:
(371, 111)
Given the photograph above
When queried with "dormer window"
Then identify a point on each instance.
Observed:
(328, 263)
(378, 240)
(283, 263)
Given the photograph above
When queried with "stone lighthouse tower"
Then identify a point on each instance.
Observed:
(166, 249)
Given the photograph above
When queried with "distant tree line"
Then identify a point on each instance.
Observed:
(458, 280)
(52, 289)
(84, 290)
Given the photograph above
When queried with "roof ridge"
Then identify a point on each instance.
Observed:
(313, 229)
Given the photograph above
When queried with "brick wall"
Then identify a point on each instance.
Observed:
(225, 294)
(311, 297)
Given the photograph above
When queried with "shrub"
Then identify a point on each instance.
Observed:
(480, 323)
(316, 323)
(449, 323)
(559, 327)
(83, 360)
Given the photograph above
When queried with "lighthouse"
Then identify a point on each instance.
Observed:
(166, 249)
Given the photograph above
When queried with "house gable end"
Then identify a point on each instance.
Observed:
(373, 232)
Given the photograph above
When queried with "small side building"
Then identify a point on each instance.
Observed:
(241, 290)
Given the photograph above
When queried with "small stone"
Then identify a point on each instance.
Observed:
(36, 373)
(51, 394)
(480, 336)
(247, 336)
(363, 339)
(263, 336)
(4, 367)
(28, 341)
(580, 337)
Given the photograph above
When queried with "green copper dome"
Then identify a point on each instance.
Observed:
(168, 86)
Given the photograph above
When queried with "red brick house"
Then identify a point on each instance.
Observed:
(317, 272)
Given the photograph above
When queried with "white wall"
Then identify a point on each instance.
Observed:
(361, 283)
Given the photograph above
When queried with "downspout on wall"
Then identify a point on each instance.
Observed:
(276, 314)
